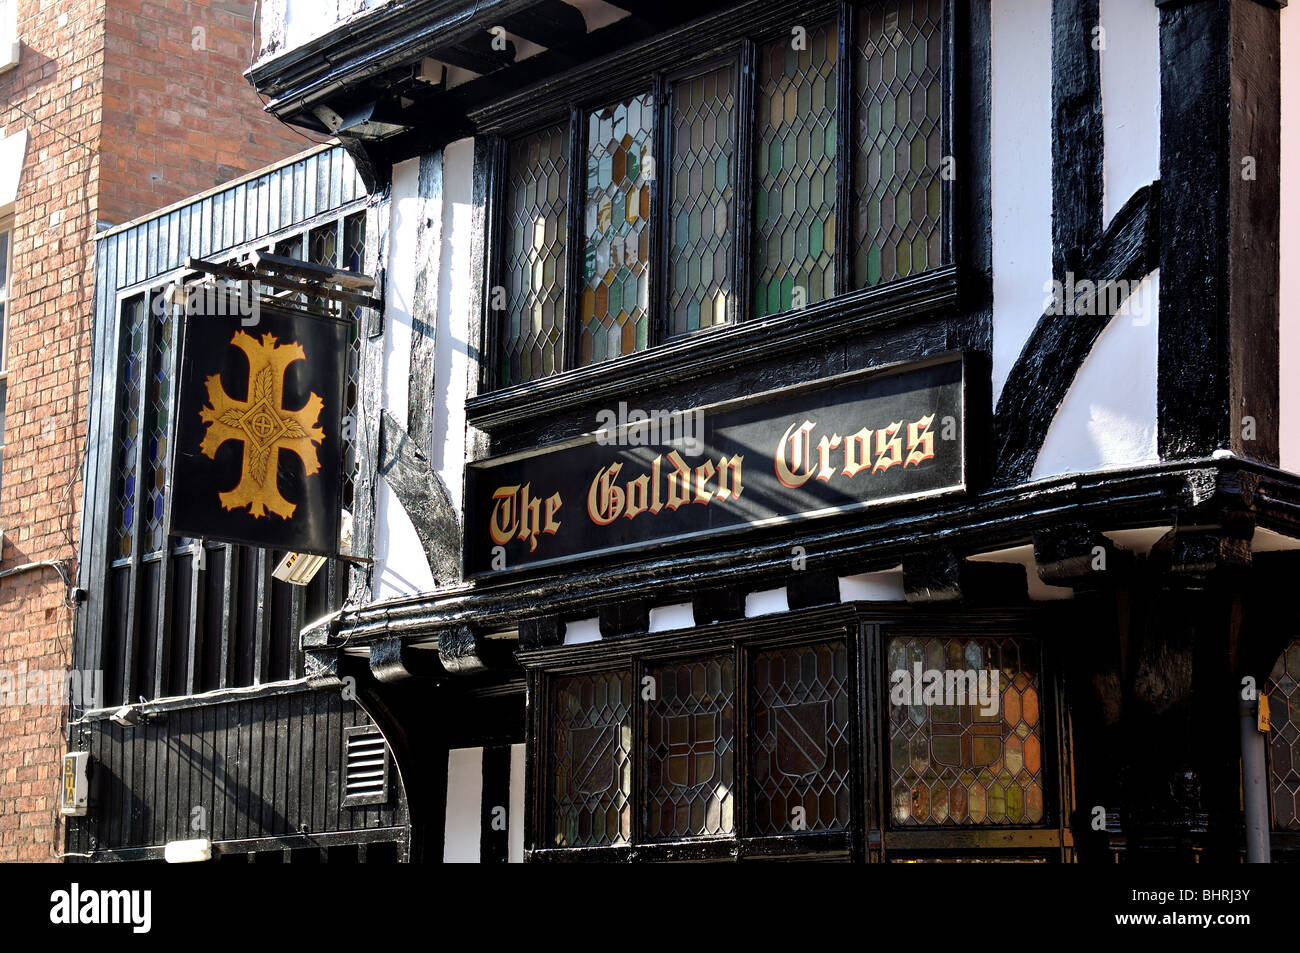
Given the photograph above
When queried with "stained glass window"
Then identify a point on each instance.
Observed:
(1284, 738)
(690, 748)
(159, 417)
(591, 762)
(952, 759)
(354, 259)
(700, 220)
(802, 758)
(898, 140)
(537, 187)
(794, 197)
(128, 424)
(614, 318)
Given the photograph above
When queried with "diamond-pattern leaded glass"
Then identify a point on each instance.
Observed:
(1284, 738)
(323, 249)
(898, 141)
(537, 188)
(690, 746)
(794, 196)
(591, 761)
(701, 240)
(354, 259)
(616, 255)
(801, 755)
(128, 425)
(951, 763)
(159, 418)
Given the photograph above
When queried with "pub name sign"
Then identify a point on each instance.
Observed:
(830, 446)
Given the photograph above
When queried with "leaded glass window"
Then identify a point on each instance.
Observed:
(794, 194)
(690, 745)
(614, 308)
(1284, 738)
(158, 413)
(832, 180)
(537, 189)
(952, 759)
(130, 385)
(898, 138)
(701, 250)
(591, 766)
(802, 757)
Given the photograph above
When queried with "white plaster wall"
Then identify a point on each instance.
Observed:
(464, 816)
(1290, 241)
(1108, 417)
(455, 305)
(1021, 174)
(1130, 99)
(516, 816)
(307, 19)
(401, 566)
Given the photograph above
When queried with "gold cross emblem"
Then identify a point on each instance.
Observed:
(263, 425)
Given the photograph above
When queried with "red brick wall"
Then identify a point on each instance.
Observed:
(123, 116)
(179, 116)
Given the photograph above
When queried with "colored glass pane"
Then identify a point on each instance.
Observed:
(614, 307)
(1284, 738)
(898, 141)
(690, 749)
(795, 178)
(801, 760)
(700, 216)
(128, 425)
(531, 334)
(591, 760)
(956, 755)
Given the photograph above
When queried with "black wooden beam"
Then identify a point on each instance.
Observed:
(1059, 343)
(477, 54)
(807, 589)
(627, 617)
(420, 413)
(1077, 555)
(1077, 138)
(548, 23)
(1219, 160)
(541, 632)
(939, 575)
(718, 604)
(421, 491)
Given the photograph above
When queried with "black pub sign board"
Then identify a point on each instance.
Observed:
(645, 477)
(257, 458)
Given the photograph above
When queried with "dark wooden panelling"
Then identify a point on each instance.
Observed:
(259, 767)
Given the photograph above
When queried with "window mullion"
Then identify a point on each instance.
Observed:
(661, 208)
(640, 796)
(743, 181)
(844, 151)
(576, 238)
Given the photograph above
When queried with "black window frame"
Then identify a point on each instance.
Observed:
(676, 54)
(141, 635)
(871, 834)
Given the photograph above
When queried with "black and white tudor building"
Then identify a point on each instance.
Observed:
(972, 528)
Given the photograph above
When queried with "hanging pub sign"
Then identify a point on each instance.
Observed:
(258, 455)
(647, 477)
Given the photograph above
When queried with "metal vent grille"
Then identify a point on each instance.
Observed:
(366, 776)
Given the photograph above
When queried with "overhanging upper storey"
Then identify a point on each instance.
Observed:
(402, 73)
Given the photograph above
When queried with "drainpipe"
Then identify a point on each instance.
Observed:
(1254, 784)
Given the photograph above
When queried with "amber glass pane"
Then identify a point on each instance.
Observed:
(591, 760)
(132, 362)
(898, 144)
(690, 749)
(794, 200)
(537, 189)
(616, 252)
(1284, 738)
(953, 764)
(801, 739)
(700, 261)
